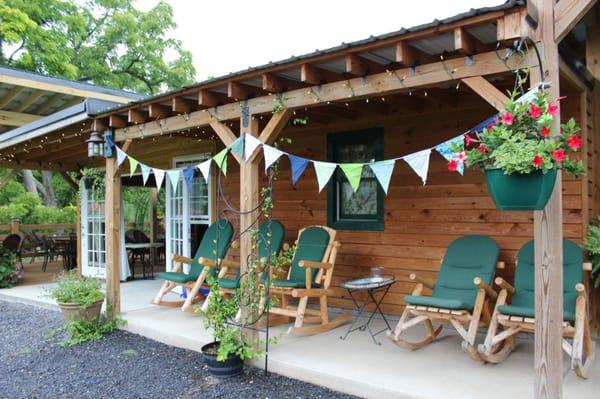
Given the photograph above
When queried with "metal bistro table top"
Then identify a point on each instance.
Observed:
(367, 283)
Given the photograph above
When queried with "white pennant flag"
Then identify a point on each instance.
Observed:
(419, 162)
(324, 170)
(145, 172)
(250, 145)
(383, 172)
(272, 154)
(205, 169)
(159, 176)
(120, 156)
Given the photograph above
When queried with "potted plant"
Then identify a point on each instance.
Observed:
(520, 153)
(79, 298)
(92, 178)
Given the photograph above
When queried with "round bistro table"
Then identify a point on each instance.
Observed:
(370, 285)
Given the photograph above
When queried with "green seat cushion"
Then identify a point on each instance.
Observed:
(312, 245)
(292, 284)
(523, 311)
(177, 277)
(454, 304)
(231, 283)
(524, 297)
(466, 258)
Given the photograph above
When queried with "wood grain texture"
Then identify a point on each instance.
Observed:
(113, 232)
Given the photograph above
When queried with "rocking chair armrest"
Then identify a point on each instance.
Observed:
(580, 288)
(500, 282)
(182, 259)
(483, 285)
(220, 262)
(235, 244)
(311, 292)
(320, 265)
(587, 266)
(422, 280)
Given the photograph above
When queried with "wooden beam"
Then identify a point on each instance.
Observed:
(272, 83)
(463, 42)
(116, 121)
(53, 166)
(8, 177)
(10, 118)
(487, 91)
(70, 181)
(8, 97)
(157, 111)
(112, 185)
(566, 15)
(359, 66)
(224, 132)
(26, 103)
(269, 134)
(50, 101)
(135, 116)
(182, 105)
(238, 91)
(380, 84)
(548, 237)
(99, 124)
(508, 27)
(316, 76)
(207, 98)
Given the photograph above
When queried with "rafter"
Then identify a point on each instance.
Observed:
(135, 116)
(157, 111)
(9, 96)
(207, 98)
(359, 66)
(10, 118)
(50, 101)
(315, 76)
(566, 15)
(238, 91)
(181, 105)
(487, 91)
(29, 100)
(117, 121)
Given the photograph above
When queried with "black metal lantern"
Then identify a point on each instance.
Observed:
(95, 145)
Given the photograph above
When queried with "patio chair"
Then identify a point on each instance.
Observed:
(270, 238)
(458, 296)
(309, 276)
(519, 315)
(14, 243)
(38, 247)
(213, 247)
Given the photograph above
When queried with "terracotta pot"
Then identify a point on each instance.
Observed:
(75, 312)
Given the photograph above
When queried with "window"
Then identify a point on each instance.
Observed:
(199, 195)
(363, 209)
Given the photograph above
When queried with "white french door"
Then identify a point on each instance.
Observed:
(93, 233)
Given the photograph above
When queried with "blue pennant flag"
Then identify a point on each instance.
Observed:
(298, 165)
(188, 176)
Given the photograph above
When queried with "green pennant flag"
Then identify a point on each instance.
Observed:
(237, 147)
(221, 160)
(353, 172)
(133, 164)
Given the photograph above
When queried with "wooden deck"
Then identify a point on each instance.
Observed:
(33, 273)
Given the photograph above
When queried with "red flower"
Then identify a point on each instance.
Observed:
(559, 155)
(552, 108)
(535, 111)
(452, 165)
(482, 149)
(490, 127)
(574, 142)
(507, 118)
(538, 161)
(545, 131)
(469, 140)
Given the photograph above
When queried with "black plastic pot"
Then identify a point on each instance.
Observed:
(88, 183)
(230, 367)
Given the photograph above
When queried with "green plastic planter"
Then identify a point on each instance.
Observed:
(520, 192)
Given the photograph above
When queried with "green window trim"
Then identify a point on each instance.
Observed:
(335, 217)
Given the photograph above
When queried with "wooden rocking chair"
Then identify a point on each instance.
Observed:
(309, 276)
(458, 297)
(208, 253)
(519, 316)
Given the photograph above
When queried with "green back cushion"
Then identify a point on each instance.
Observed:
(275, 229)
(216, 240)
(312, 245)
(525, 275)
(466, 258)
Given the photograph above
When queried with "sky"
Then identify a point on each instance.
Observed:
(227, 36)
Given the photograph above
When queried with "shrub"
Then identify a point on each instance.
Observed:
(10, 273)
(71, 288)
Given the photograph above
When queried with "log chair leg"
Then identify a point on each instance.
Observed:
(194, 291)
(301, 311)
(166, 287)
(324, 311)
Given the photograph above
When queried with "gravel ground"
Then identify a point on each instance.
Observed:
(122, 365)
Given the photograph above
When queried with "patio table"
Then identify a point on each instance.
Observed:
(370, 285)
(146, 264)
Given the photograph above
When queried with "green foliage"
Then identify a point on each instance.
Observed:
(10, 273)
(522, 141)
(137, 203)
(71, 288)
(592, 246)
(106, 42)
(80, 332)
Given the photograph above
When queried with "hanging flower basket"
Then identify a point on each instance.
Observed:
(520, 192)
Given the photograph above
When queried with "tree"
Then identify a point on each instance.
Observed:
(106, 42)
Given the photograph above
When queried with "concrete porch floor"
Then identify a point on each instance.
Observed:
(356, 365)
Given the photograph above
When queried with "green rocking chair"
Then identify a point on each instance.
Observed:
(213, 248)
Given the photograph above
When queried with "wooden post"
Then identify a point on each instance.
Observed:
(153, 223)
(79, 235)
(548, 237)
(112, 185)
(15, 224)
(249, 182)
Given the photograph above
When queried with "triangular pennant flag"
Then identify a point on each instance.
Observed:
(324, 170)
(353, 172)
(173, 176)
(299, 165)
(145, 172)
(133, 164)
(188, 176)
(272, 154)
(205, 169)
(250, 145)
(383, 172)
(159, 176)
(221, 160)
(419, 162)
(450, 149)
(237, 147)
(120, 156)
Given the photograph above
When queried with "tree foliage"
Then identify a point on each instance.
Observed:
(106, 42)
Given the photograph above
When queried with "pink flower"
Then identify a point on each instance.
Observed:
(538, 161)
(507, 118)
(574, 142)
(559, 99)
(469, 140)
(559, 155)
(490, 127)
(461, 157)
(482, 149)
(552, 108)
(545, 131)
(452, 165)
(535, 111)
